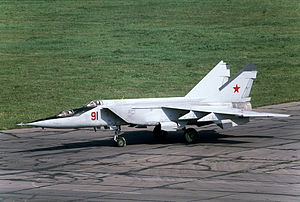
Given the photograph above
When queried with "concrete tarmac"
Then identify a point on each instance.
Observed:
(258, 161)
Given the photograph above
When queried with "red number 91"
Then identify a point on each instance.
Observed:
(94, 116)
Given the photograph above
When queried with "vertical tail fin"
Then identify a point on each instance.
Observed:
(211, 83)
(238, 88)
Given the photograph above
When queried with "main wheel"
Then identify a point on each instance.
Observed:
(159, 134)
(121, 142)
(190, 135)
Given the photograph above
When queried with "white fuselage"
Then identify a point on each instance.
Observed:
(144, 111)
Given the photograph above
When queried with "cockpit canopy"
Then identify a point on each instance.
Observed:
(65, 113)
(93, 103)
(81, 110)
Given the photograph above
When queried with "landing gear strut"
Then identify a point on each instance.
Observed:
(190, 135)
(159, 134)
(119, 141)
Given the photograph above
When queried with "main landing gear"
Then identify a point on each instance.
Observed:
(190, 135)
(119, 141)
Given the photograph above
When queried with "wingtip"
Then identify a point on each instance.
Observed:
(281, 115)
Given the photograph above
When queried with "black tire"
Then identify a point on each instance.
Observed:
(121, 142)
(190, 135)
(159, 134)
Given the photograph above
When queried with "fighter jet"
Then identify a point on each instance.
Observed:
(215, 99)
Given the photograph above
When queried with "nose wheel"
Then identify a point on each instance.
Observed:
(119, 141)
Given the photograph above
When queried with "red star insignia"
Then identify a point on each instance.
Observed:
(236, 89)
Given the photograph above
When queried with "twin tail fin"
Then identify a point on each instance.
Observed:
(217, 87)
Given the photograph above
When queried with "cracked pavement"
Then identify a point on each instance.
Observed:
(258, 161)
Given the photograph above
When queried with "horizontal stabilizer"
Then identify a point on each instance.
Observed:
(262, 114)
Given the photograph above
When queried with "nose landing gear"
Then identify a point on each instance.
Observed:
(119, 141)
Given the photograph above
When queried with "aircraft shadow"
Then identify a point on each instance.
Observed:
(146, 137)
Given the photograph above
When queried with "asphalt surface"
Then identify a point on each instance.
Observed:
(258, 161)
